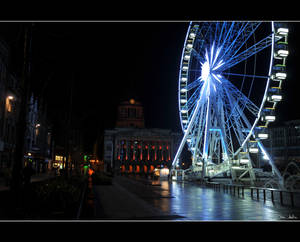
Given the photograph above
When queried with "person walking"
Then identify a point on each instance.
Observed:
(27, 173)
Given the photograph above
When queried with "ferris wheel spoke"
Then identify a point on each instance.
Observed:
(242, 99)
(233, 39)
(244, 75)
(234, 102)
(198, 56)
(246, 31)
(194, 84)
(254, 49)
(195, 70)
(234, 119)
(192, 100)
(228, 34)
(221, 33)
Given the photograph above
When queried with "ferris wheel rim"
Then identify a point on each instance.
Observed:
(266, 88)
(261, 105)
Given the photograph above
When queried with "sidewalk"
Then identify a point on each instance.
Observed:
(34, 178)
(114, 202)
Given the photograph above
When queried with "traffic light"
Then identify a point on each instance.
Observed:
(86, 161)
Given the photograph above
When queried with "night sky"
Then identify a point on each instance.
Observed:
(107, 62)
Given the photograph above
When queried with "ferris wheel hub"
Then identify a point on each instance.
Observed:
(205, 71)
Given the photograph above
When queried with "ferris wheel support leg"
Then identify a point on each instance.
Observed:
(206, 139)
(175, 161)
(271, 162)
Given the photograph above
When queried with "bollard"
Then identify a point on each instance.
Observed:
(264, 194)
(243, 191)
(238, 191)
(292, 199)
(272, 196)
(257, 193)
(281, 200)
(251, 192)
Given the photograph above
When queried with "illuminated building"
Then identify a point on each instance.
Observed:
(132, 148)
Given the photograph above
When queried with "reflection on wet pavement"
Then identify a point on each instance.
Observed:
(194, 202)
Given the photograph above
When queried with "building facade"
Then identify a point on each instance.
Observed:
(9, 109)
(284, 143)
(37, 140)
(132, 148)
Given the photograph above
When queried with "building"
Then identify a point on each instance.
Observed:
(132, 148)
(9, 111)
(38, 138)
(69, 150)
(130, 114)
(284, 143)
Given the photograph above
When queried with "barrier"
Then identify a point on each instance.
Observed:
(272, 190)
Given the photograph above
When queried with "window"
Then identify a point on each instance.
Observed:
(123, 113)
(8, 103)
(49, 138)
(109, 147)
(132, 113)
(59, 158)
(139, 113)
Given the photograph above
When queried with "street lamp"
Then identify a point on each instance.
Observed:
(9, 98)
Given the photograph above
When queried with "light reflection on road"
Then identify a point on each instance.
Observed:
(197, 203)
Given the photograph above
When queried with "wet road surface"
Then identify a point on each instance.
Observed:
(190, 201)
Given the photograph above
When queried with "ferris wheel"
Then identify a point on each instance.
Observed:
(230, 81)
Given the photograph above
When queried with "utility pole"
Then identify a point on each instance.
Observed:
(25, 87)
(69, 129)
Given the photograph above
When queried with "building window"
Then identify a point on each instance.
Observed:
(132, 113)
(109, 147)
(59, 158)
(123, 113)
(49, 138)
(139, 113)
(8, 103)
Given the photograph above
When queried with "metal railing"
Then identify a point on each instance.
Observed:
(236, 188)
(272, 191)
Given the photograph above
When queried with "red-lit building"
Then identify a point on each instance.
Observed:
(132, 148)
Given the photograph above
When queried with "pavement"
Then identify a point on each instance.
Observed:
(115, 202)
(132, 199)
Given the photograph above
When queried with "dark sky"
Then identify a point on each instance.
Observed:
(105, 60)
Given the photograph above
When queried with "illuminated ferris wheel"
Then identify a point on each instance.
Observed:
(230, 81)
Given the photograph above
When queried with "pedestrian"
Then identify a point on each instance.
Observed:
(27, 173)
